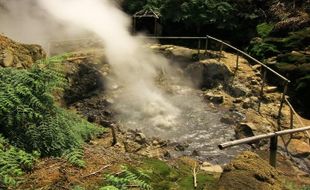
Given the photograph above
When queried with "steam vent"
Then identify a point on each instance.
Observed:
(163, 95)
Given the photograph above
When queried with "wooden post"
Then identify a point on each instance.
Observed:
(273, 151)
(291, 118)
(237, 62)
(114, 138)
(221, 49)
(281, 106)
(199, 46)
(261, 96)
(206, 47)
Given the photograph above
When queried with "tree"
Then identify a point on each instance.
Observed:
(197, 12)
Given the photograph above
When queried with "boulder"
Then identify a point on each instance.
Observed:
(247, 172)
(244, 130)
(299, 148)
(209, 73)
(210, 168)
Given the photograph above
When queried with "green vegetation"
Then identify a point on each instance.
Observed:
(262, 50)
(264, 29)
(32, 122)
(13, 163)
(178, 176)
(127, 179)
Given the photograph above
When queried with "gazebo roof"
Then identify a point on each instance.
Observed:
(147, 13)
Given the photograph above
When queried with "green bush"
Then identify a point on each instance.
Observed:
(29, 117)
(13, 163)
(261, 50)
(264, 29)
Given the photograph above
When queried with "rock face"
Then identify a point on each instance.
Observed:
(247, 172)
(209, 74)
(13, 54)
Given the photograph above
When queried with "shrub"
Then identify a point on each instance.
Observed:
(13, 163)
(29, 117)
(262, 50)
(264, 29)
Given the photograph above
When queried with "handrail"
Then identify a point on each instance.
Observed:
(260, 137)
(222, 42)
(250, 57)
(292, 110)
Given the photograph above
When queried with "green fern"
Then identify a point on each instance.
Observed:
(29, 117)
(127, 179)
(31, 121)
(75, 157)
(13, 163)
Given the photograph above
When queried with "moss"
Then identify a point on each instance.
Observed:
(176, 175)
(248, 171)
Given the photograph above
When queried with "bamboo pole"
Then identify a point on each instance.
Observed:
(237, 62)
(198, 51)
(260, 137)
(297, 116)
(206, 46)
(261, 96)
(281, 106)
(220, 53)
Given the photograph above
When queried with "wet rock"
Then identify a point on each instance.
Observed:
(208, 167)
(299, 148)
(244, 130)
(228, 120)
(181, 146)
(247, 172)
(214, 98)
(84, 82)
(195, 153)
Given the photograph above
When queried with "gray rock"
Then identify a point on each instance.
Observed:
(227, 120)
(214, 98)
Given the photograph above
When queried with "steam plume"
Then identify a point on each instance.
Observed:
(135, 67)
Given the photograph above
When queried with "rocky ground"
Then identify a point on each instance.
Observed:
(223, 87)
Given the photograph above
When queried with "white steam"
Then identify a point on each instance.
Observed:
(135, 67)
(27, 22)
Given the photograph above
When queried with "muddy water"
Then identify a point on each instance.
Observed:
(197, 125)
